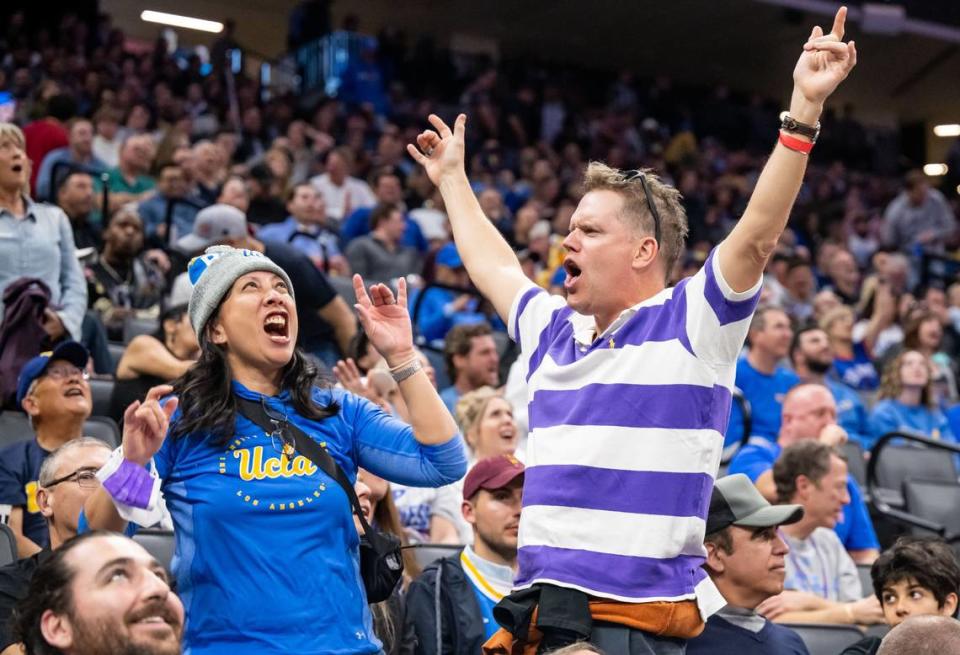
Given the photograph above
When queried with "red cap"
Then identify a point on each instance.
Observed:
(492, 473)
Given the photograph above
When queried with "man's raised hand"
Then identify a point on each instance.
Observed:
(441, 152)
(825, 62)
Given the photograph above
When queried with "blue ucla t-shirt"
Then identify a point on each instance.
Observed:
(266, 555)
(19, 470)
(889, 415)
(858, 372)
(765, 394)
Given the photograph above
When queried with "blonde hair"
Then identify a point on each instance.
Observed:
(10, 132)
(834, 315)
(472, 405)
(636, 211)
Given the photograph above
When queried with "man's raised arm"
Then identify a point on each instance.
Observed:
(491, 263)
(825, 62)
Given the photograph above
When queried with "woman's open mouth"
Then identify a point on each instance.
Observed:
(276, 326)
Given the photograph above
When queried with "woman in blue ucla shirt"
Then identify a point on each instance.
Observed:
(906, 401)
(266, 550)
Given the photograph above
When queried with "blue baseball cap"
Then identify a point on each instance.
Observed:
(449, 257)
(70, 351)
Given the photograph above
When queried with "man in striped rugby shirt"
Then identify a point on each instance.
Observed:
(629, 382)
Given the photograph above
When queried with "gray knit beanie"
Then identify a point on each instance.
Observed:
(214, 272)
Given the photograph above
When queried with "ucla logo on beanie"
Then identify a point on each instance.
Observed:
(199, 265)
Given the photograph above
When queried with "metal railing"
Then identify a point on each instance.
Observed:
(879, 500)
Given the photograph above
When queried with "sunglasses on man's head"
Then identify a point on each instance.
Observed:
(629, 176)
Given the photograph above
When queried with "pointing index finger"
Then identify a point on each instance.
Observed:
(360, 291)
(158, 392)
(838, 23)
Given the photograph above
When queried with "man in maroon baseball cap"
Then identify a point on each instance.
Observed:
(473, 581)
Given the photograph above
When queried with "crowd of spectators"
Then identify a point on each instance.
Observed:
(146, 159)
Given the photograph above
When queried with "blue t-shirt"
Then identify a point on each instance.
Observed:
(433, 320)
(266, 555)
(721, 637)
(19, 469)
(765, 394)
(357, 224)
(490, 625)
(450, 397)
(855, 529)
(317, 244)
(889, 415)
(859, 372)
(851, 412)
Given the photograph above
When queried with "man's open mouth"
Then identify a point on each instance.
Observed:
(573, 272)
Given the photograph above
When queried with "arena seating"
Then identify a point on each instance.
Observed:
(825, 639)
(935, 500)
(102, 427)
(895, 465)
(100, 390)
(14, 427)
(159, 543)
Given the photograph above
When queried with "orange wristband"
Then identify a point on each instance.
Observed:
(796, 144)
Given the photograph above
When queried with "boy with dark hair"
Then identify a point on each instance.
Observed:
(918, 576)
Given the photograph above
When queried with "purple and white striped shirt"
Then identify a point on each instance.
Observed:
(626, 433)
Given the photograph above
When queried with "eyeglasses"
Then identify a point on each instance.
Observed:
(629, 176)
(65, 372)
(85, 477)
(281, 442)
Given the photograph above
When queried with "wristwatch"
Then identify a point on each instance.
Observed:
(406, 370)
(789, 124)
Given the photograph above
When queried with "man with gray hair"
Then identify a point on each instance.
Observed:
(53, 390)
(67, 477)
(923, 635)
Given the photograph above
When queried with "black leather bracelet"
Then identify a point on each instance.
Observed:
(789, 124)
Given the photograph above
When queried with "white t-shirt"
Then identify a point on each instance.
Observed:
(341, 200)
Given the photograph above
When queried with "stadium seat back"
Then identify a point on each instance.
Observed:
(103, 428)
(856, 464)
(159, 543)
(101, 390)
(826, 639)
(134, 327)
(8, 545)
(934, 500)
(14, 427)
(116, 352)
(429, 553)
(897, 464)
(866, 582)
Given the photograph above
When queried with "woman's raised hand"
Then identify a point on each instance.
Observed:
(145, 424)
(385, 319)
